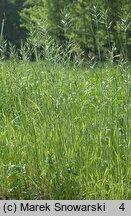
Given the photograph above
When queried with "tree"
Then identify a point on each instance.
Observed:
(99, 27)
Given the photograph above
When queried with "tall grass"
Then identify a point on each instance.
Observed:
(64, 131)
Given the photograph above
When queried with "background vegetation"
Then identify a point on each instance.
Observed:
(100, 28)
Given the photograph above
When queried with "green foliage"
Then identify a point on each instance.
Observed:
(64, 127)
(65, 131)
(31, 15)
(98, 27)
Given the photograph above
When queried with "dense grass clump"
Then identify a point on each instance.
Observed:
(64, 131)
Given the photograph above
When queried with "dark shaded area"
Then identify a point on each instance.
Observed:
(9, 12)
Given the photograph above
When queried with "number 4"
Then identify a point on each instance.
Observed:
(122, 207)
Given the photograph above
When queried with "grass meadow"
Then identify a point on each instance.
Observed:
(64, 131)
